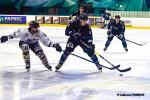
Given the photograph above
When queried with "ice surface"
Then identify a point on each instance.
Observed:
(78, 79)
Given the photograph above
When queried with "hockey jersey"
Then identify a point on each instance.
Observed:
(116, 28)
(26, 36)
(75, 27)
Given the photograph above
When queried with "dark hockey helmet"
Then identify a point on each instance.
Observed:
(83, 17)
(117, 17)
(34, 24)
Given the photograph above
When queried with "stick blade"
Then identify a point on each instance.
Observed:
(125, 70)
(117, 66)
(143, 44)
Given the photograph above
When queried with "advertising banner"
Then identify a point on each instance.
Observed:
(12, 19)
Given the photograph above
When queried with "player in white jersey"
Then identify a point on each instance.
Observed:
(29, 39)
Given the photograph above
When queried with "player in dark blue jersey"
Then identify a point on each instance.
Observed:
(116, 27)
(107, 18)
(79, 30)
(77, 14)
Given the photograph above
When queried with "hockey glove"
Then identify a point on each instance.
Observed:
(108, 32)
(58, 47)
(4, 39)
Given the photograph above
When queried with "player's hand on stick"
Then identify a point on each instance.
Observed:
(58, 47)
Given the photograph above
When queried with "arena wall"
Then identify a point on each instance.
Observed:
(138, 23)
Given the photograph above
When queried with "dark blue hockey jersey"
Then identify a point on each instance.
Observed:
(116, 28)
(75, 27)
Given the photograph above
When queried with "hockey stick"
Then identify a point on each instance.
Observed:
(132, 41)
(136, 43)
(111, 68)
(120, 70)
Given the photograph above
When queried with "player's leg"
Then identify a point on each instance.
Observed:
(71, 45)
(25, 52)
(109, 39)
(36, 48)
(124, 44)
(91, 53)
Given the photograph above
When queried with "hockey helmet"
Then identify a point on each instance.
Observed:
(34, 24)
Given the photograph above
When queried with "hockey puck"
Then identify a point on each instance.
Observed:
(120, 74)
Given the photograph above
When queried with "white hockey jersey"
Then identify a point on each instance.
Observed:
(26, 36)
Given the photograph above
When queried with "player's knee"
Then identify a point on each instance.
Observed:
(25, 47)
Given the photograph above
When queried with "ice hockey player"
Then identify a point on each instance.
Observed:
(116, 28)
(29, 39)
(106, 17)
(78, 13)
(78, 31)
